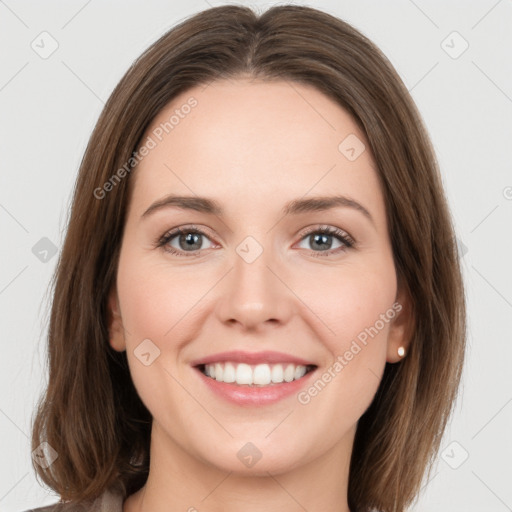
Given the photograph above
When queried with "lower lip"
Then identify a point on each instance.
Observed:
(255, 395)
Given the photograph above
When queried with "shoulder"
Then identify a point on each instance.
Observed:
(109, 501)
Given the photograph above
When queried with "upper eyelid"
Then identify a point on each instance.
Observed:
(320, 227)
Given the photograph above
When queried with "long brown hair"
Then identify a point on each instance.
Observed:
(91, 414)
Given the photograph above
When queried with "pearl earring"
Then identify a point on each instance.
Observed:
(401, 351)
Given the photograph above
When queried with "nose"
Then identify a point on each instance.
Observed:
(255, 295)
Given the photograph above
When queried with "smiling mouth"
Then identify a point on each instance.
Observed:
(242, 374)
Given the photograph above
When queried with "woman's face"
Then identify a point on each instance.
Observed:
(251, 286)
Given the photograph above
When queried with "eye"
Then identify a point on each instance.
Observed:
(182, 240)
(321, 240)
(189, 241)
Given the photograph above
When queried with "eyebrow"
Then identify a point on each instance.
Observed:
(297, 206)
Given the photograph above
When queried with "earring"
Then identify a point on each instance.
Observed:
(401, 351)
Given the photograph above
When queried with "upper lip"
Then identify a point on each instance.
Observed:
(239, 356)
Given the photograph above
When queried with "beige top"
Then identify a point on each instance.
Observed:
(109, 501)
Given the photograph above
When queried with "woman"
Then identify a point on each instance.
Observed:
(259, 303)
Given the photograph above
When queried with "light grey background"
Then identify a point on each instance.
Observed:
(48, 107)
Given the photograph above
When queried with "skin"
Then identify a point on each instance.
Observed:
(253, 146)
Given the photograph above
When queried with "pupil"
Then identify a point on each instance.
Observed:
(191, 239)
(323, 238)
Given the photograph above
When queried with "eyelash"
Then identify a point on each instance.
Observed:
(343, 237)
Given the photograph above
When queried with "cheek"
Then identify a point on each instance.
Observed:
(155, 305)
(155, 299)
(350, 302)
(358, 309)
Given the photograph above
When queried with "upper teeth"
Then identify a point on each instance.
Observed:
(260, 374)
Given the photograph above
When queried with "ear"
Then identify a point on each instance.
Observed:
(401, 326)
(115, 322)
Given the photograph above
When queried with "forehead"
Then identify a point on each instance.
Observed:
(254, 139)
